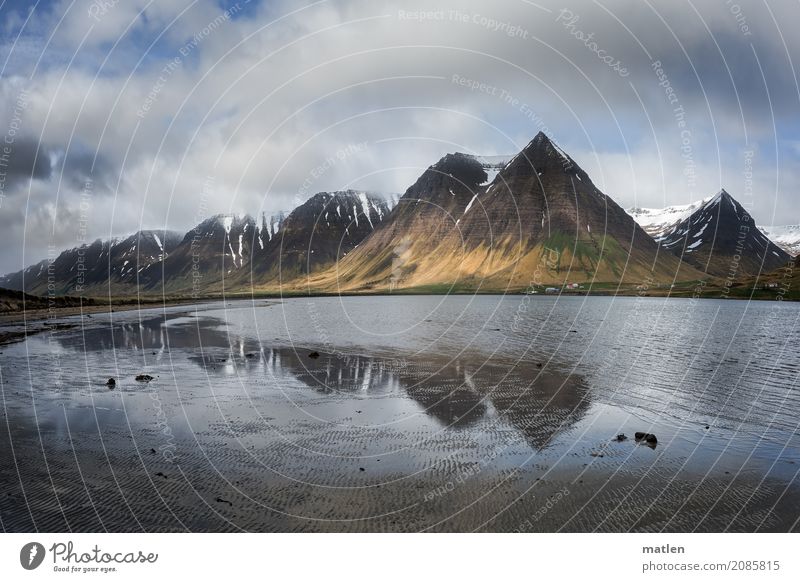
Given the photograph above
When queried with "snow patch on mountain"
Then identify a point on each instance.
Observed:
(492, 165)
(787, 237)
(660, 222)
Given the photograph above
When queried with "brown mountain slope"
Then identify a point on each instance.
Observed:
(540, 221)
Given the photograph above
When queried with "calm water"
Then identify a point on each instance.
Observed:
(419, 413)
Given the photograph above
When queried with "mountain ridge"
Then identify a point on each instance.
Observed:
(721, 238)
(469, 222)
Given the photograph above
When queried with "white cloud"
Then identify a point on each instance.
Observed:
(261, 99)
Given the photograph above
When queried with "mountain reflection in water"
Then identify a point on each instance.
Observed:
(456, 393)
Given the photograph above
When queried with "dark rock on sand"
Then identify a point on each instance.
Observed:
(111, 383)
(313, 355)
(143, 377)
(160, 474)
(221, 500)
(621, 437)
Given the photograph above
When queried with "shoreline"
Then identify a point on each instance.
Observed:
(92, 307)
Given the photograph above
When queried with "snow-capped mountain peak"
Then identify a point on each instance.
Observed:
(660, 222)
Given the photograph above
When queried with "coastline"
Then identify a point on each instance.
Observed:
(93, 305)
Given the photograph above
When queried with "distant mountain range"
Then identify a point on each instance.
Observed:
(102, 267)
(222, 252)
(490, 223)
(720, 238)
(716, 235)
(787, 237)
(659, 222)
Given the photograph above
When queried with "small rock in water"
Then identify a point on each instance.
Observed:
(313, 355)
(539, 365)
(111, 383)
(361, 469)
(650, 439)
(143, 377)
(597, 455)
(152, 451)
(621, 437)
(707, 427)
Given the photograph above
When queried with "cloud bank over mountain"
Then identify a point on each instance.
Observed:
(119, 116)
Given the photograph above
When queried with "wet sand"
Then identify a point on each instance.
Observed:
(241, 433)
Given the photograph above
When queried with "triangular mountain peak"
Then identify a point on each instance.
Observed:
(721, 238)
(543, 156)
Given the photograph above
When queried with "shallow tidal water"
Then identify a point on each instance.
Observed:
(409, 413)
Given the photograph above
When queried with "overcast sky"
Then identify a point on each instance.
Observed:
(126, 114)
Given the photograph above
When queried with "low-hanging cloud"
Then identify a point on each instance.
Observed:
(149, 101)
